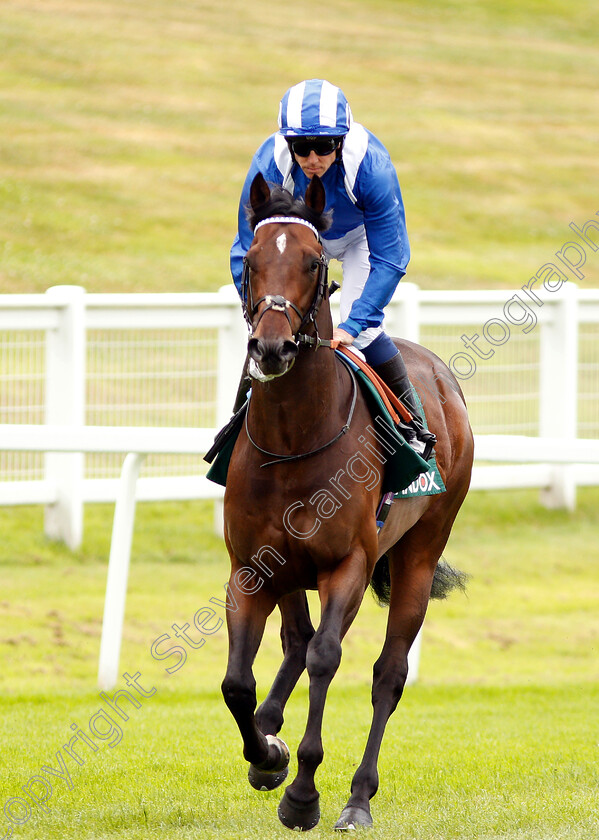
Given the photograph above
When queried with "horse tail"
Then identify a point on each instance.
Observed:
(380, 582)
(445, 580)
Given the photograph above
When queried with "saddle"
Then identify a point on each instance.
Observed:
(390, 400)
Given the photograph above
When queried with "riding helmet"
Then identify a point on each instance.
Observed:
(314, 108)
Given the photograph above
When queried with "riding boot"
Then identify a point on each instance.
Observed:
(394, 374)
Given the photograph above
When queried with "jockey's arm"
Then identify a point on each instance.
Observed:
(384, 222)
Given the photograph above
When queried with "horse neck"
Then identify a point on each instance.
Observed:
(301, 405)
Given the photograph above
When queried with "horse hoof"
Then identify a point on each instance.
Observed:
(264, 780)
(275, 772)
(353, 816)
(299, 816)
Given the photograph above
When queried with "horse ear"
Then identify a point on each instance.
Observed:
(315, 195)
(259, 192)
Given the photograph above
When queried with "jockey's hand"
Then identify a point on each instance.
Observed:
(342, 337)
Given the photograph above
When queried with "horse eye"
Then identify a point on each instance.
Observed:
(314, 266)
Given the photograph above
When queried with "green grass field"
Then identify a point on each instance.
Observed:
(497, 740)
(126, 129)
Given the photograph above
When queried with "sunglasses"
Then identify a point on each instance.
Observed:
(321, 145)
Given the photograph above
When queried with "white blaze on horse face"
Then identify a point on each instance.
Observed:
(282, 242)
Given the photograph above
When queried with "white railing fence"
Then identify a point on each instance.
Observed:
(87, 376)
(73, 359)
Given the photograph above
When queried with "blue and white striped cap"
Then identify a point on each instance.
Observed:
(314, 108)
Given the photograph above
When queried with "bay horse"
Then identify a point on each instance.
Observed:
(286, 533)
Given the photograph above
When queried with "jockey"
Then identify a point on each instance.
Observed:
(317, 136)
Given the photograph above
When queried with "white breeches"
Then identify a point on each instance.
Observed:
(353, 253)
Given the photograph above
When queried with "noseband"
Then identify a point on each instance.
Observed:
(278, 303)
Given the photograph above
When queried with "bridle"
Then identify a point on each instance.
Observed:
(279, 303)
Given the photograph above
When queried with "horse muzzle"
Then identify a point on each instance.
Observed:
(272, 356)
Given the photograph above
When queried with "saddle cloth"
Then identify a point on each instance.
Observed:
(391, 402)
(406, 473)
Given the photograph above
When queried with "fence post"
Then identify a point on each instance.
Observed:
(65, 405)
(118, 572)
(232, 349)
(558, 397)
(414, 659)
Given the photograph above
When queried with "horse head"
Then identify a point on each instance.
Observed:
(285, 274)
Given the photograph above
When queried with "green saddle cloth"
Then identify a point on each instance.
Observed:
(405, 472)
(220, 465)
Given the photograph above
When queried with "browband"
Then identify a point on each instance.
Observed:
(287, 220)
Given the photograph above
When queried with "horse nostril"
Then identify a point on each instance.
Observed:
(289, 350)
(273, 356)
(255, 349)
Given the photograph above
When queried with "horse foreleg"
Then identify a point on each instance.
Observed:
(340, 593)
(410, 590)
(296, 633)
(389, 676)
(266, 754)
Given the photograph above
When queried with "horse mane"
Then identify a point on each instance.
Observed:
(282, 203)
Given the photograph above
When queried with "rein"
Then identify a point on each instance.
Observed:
(285, 459)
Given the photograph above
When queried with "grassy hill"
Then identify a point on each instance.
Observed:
(127, 126)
